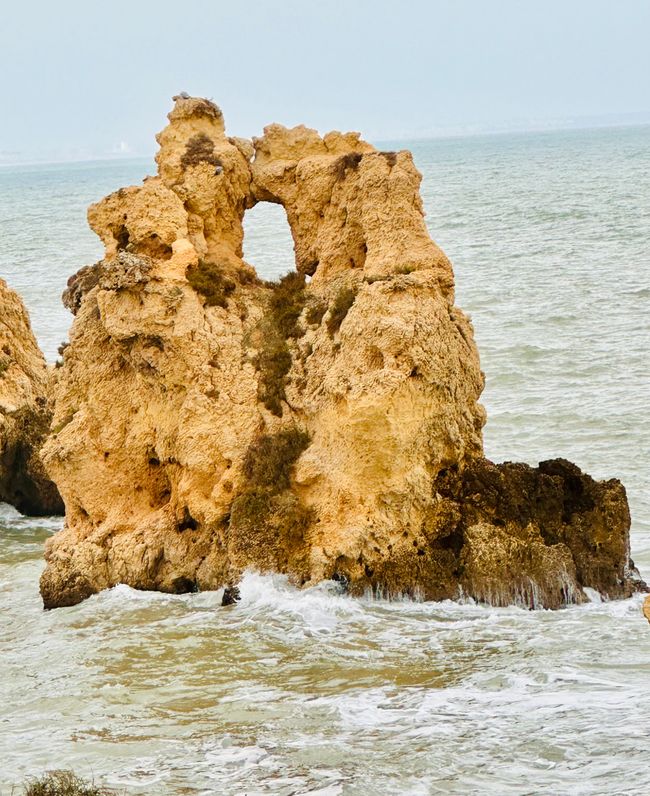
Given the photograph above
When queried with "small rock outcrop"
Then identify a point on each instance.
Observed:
(325, 426)
(25, 413)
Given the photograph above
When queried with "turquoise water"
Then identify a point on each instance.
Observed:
(311, 692)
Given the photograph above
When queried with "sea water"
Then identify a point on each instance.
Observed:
(293, 692)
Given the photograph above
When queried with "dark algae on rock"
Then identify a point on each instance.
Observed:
(511, 534)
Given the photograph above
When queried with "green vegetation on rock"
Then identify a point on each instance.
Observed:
(199, 149)
(208, 279)
(64, 783)
(273, 361)
(340, 308)
(266, 508)
(270, 458)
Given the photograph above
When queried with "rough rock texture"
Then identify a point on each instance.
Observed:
(24, 413)
(206, 422)
(511, 533)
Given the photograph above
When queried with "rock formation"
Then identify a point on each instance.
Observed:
(24, 413)
(324, 426)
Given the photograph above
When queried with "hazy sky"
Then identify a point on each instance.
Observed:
(89, 78)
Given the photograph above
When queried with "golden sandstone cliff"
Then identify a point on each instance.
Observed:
(24, 412)
(324, 426)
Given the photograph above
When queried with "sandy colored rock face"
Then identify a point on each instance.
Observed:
(206, 422)
(24, 412)
(349, 207)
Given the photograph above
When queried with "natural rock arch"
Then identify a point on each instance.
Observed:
(265, 222)
(206, 422)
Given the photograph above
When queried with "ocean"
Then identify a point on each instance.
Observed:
(311, 692)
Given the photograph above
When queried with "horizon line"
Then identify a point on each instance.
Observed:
(432, 136)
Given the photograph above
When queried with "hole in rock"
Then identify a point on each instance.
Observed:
(183, 585)
(122, 237)
(268, 245)
(188, 523)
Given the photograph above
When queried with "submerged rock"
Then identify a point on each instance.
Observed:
(24, 413)
(207, 422)
(231, 595)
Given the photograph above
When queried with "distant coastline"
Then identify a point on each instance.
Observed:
(85, 161)
(525, 126)
(473, 130)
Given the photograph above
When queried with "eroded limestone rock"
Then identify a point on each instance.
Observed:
(510, 533)
(206, 422)
(24, 413)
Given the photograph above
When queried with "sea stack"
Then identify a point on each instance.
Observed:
(25, 414)
(323, 426)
